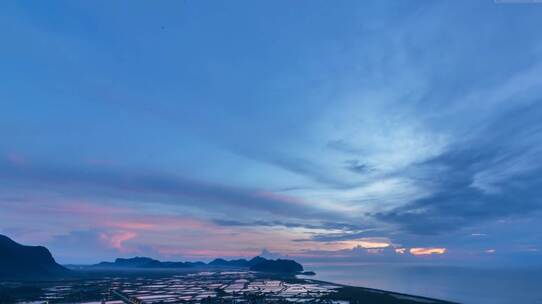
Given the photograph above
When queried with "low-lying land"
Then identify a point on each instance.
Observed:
(200, 287)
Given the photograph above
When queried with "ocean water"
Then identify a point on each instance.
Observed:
(459, 284)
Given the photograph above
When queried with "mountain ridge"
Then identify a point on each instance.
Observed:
(19, 261)
(257, 263)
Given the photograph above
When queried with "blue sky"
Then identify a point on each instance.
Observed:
(323, 130)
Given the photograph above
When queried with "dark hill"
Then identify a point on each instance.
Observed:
(19, 262)
(143, 262)
(256, 264)
(277, 266)
(231, 263)
(256, 260)
(129, 263)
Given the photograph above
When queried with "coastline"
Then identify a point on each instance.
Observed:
(207, 287)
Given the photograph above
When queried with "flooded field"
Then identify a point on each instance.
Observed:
(202, 287)
(234, 287)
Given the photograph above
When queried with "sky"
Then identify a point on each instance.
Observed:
(325, 131)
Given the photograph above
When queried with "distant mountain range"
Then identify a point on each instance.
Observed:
(256, 264)
(237, 263)
(144, 262)
(20, 262)
(27, 262)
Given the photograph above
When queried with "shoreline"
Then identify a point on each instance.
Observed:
(321, 290)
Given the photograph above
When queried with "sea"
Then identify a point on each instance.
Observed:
(470, 285)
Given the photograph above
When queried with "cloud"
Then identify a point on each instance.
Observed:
(320, 232)
(427, 251)
(117, 239)
(374, 254)
(299, 224)
(341, 236)
(162, 188)
(82, 246)
(303, 166)
(490, 175)
(271, 255)
(357, 167)
(373, 243)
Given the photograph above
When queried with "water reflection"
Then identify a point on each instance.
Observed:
(465, 285)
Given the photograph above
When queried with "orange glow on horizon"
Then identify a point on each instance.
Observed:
(367, 244)
(371, 244)
(427, 251)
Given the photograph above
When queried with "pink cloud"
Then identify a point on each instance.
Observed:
(116, 240)
(157, 223)
(132, 225)
(427, 251)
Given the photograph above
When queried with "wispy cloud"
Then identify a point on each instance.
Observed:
(163, 188)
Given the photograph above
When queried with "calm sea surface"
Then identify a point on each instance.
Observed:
(464, 285)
